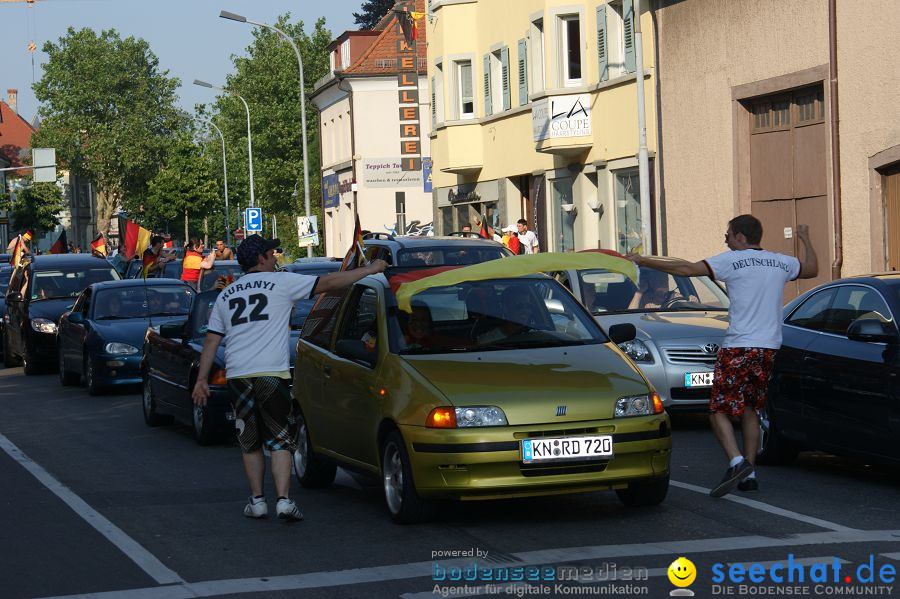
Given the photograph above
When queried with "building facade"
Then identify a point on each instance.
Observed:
(747, 124)
(374, 132)
(534, 106)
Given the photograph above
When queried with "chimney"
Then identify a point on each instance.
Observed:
(12, 96)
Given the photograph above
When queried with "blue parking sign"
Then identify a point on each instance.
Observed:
(253, 219)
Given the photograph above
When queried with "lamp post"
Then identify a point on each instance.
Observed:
(225, 175)
(241, 19)
(249, 137)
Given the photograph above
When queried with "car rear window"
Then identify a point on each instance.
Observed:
(142, 302)
(208, 281)
(51, 284)
(449, 256)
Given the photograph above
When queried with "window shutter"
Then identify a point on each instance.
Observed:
(504, 71)
(628, 14)
(602, 51)
(433, 106)
(523, 73)
(487, 85)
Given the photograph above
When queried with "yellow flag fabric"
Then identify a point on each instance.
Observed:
(416, 15)
(515, 266)
(143, 242)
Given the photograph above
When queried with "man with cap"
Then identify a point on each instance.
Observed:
(251, 315)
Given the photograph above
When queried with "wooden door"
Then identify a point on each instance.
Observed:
(891, 186)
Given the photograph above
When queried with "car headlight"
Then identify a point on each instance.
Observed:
(42, 325)
(120, 349)
(638, 405)
(637, 350)
(470, 416)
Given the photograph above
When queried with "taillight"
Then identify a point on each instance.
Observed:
(441, 418)
(218, 377)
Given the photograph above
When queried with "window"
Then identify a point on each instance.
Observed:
(360, 325)
(345, 54)
(465, 106)
(319, 324)
(537, 55)
(852, 302)
(570, 50)
(628, 211)
(499, 81)
(812, 313)
(615, 29)
(564, 203)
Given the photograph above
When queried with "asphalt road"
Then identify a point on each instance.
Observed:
(97, 504)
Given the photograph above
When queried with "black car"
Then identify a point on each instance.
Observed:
(314, 268)
(419, 252)
(5, 274)
(40, 290)
(208, 276)
(835, 384)
(100, 339)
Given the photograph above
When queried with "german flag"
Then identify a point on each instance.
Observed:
(149, 260)
(135, 241)
(356, 255)
(486, 230)
(19, 251)
(98, 246)
(61, 245)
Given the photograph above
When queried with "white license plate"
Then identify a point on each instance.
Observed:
(698, 379)
(567, 448)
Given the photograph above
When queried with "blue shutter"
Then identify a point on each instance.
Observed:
(523, 73)
(504, 73)
(628, 17)
(487, 85)
(433, 106)
(602, 50)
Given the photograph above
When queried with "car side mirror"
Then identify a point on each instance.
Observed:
(173, 330)
(620, 333)
(13, 297)
(356, 351)
(871, 330)
(76, 318)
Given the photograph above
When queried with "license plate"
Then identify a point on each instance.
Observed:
(567, 448)
(229, 415)
(698, 379)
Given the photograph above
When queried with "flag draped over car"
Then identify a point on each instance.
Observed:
(134, 238)
(98, 246)
(356, 255)
(61, 245)
(515, 266)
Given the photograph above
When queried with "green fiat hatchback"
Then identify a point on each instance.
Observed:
(486, 389)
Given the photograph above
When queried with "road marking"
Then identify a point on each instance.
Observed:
(377, 574)
(895, 556)
(476, 591)
(765, 507)
(803, 561)
(145, 560)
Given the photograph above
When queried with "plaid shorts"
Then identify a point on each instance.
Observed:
(741, 379)
(263, 413)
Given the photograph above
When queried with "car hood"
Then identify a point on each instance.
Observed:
(671, 325)
(529, 384)
(50, 309)
(130, 331)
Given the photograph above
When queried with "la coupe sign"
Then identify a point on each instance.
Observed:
(561, 116)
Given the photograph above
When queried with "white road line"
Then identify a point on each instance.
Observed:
(529, 558)
(803, 561)
(476, 591)
(895, 556)
(765, 507)
(140, 556)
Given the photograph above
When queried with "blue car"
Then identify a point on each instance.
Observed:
(100, 339)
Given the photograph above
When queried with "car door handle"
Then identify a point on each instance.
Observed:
(326, 370)
(810, 360)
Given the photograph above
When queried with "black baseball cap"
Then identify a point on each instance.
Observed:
(253, 247)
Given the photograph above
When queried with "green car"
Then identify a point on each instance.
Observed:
(487, 389)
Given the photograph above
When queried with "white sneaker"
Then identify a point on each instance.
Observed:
(288, 510)
(256, 508)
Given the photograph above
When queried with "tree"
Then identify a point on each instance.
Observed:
(372, 12)
(36, 208)
(109, 111)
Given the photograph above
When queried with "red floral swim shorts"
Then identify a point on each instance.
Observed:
(741, 379)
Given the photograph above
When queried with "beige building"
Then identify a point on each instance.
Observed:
(374, 131)
(746, 125)
(534, 107)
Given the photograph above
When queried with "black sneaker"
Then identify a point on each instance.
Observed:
(748, 485)
(733, 476)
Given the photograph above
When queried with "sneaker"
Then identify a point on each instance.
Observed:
(748, 485)
(288, 510)
(256, 509)
(732, 477)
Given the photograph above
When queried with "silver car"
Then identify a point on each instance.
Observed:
(680, 323)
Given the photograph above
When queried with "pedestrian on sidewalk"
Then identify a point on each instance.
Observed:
(755, 279)
(251, 315)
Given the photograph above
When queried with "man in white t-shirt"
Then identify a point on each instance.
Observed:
(252, 315)
(527, 238)
(755, 280)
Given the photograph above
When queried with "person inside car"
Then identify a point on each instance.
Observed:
(654, 292)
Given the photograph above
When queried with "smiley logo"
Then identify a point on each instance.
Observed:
(682, 572)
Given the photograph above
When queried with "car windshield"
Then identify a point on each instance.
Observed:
(51, 284)
(172, 270)
(142, 302)
(493, 315)
(449, 256)
(604, 291)
(301, 311)
(208, 281)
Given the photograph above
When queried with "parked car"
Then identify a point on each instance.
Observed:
(677, 339)
(208, 276)
(39, 291)
(418, 252)
(516, 391)
(315, 268)
(835, 384)
(5, 274)
(100, 339)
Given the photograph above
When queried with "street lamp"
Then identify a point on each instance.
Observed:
(241, 19)
(225, 175)
(249, 137)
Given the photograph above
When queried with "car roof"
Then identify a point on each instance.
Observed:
(421, 242)
(67, 260)
(141, 282)
(225, 263)
(300, 267)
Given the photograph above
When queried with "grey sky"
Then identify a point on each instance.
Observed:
(187, 36)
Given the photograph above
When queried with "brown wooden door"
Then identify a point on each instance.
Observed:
(892, 210)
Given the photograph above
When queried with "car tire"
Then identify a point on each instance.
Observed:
(90, 379)
(774, 449)
(312, 470)
(403, 503)
(66, 378)
(644, 493)
(28, 364)
(204, 431)
(148, 404)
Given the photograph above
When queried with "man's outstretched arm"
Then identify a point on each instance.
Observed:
(673, 266)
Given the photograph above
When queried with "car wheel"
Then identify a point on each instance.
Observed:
(204, 432)
(29, 365)
(90, 377)
(148, 403)
(312, 471)
(9, 360)
(66, 378)
(645, 492)
(774, 449)
(403, 503)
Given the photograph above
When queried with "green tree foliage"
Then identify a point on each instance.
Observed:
(36, 208)
(109, 111)
(268, 79)
(372, 12)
